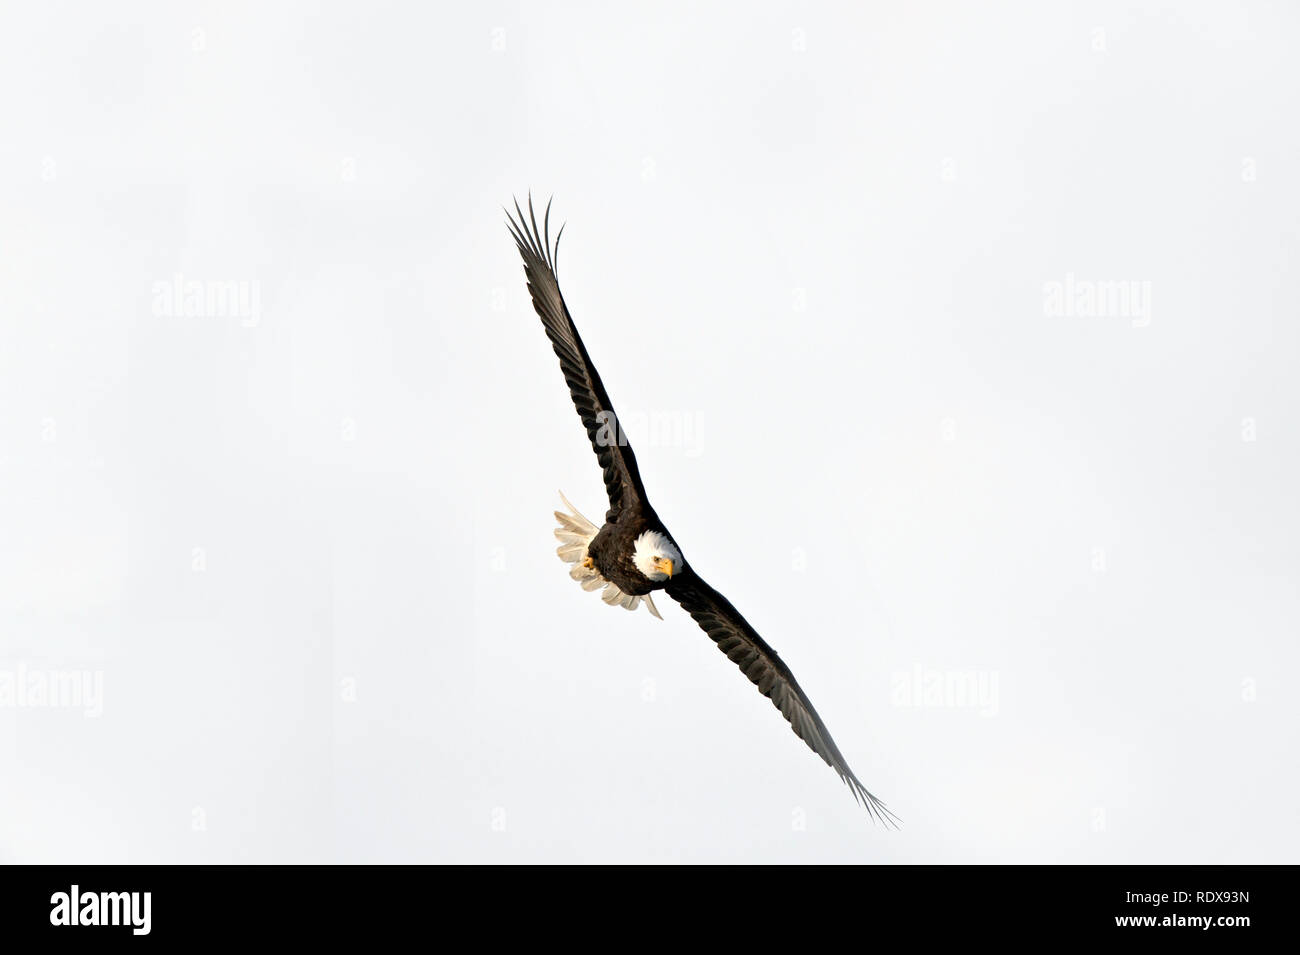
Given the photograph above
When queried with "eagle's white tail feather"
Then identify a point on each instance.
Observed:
(575, 522)
(575, 533)
(571, 553)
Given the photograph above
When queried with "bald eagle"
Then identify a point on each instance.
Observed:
(632, 554)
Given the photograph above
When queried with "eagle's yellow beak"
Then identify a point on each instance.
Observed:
(665, 566)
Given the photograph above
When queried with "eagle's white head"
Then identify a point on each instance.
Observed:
(656, 556)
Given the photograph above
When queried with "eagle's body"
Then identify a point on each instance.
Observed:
(611, 552)
(632, 554)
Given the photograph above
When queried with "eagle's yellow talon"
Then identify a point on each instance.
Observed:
(588, 563)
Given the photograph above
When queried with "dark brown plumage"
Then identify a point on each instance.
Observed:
(630, 515)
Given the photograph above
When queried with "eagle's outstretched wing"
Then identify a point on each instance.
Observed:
(622, 479)
(744, 647)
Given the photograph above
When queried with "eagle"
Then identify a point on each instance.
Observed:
(633, 554)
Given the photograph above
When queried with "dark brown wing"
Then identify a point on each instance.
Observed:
(622, 479)
(745, 648)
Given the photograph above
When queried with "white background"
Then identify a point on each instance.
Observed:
(309, 552)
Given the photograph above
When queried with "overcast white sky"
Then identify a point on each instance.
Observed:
(957, 347)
